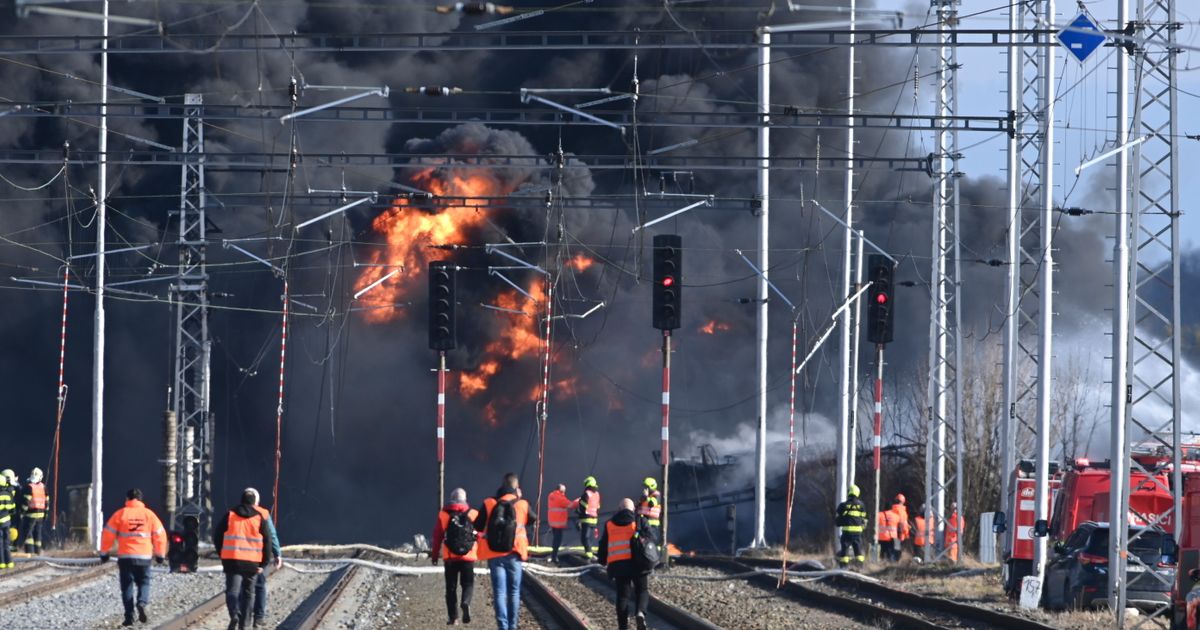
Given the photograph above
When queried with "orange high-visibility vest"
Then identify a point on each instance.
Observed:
(137, 531)
(651, 511)
(37, 497)
(952, 529)
(521, 543)
(921, 535)
(470, 556)
(560, 509)
(243, 539)
(902, 515)
(620, 541)
(591, 510)
(887, 526)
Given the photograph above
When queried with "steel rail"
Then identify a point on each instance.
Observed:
(562, 614)
(53, 586)
(668, 612)
(512, 41)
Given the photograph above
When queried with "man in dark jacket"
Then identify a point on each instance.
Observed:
(851, 520)
(242, 538)
(616, 552)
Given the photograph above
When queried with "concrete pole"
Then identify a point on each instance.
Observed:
(95, 513)
(845, 457)
(764, 183)
(1012, 323)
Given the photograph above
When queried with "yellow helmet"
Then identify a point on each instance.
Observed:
(854, 490)
(590, 482)
(649, 482)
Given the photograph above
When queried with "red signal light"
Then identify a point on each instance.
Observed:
(881, 298)
(668, 281)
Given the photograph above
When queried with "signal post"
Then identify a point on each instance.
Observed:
(667, 306)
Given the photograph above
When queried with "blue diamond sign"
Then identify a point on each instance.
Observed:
(1082, 37)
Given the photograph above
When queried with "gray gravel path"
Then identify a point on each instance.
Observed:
(737, 604)
(97, 603)
(285, 590)
(28, 577)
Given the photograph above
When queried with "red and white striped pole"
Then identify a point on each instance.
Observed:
(283, 332)
(543, 413)
(62, 397)
(791, 475)
(877, 439)
(666, 440)
(441, 427)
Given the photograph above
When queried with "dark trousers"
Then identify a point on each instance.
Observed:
(32, 536)
(587, 534)
(239, 592)
(556, 535)
(459, 573)
(889, 550)
(134, 576)
(260, 597)
(5, 553)
(851, 542)
(640, 585)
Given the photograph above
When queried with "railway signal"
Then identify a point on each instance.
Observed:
(880, 323)
(668, 284)
(441, 306)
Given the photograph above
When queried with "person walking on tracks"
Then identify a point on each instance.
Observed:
(455, 539)
(241, 538)
(8, 507)
(140, 536)
(618, 546)
(505, 545)
(851, 520)
(260, 583)
(559, 514)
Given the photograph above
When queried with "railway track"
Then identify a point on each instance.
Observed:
(541, 598)
(52, 586)
(872, 602)
(668, 615)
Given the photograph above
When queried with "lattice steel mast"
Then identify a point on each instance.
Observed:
(192, 346)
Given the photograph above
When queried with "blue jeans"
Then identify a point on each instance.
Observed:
(506, 589)
(134, 576)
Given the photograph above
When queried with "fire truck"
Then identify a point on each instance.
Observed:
(1018, 541)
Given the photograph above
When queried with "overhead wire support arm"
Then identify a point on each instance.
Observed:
(707, 201)
(860, 234)
(765, 279)
(832, 325)
(338, 210)
(381, 92)
(493, 272)
(492, 249)
(229, 245)
(527, 96)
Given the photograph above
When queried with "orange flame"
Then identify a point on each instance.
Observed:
(713, 326)
(410, 231)
(580, 262)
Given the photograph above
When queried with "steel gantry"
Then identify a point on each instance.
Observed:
(1030, 196)
(944, 438)
(194, 437)
(1153, 414)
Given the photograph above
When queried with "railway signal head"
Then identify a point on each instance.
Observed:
(880, 323)
(668, 266)
(441, 306)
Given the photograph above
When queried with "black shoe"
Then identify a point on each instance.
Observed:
(233, 624)
(451, 622)
(128, 621)
(142, 613)
(641, 621)
(466, 614)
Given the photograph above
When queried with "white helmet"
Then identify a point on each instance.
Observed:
(36, 475)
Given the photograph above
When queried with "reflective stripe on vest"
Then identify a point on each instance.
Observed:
(243, 539)
(559, 510)
(593, 504)
(651, 512)
(37, 499)
(620, 538)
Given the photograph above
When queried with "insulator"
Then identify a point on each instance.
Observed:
(294, 91)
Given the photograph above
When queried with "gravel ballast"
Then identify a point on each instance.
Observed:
(10, 582)
(735, 603)
(285, 590)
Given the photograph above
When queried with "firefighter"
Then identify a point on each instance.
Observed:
(851, 520)
(139, 536)
(242, 540)
(616, 552)
(260, 584)
(455, 540)
(8, 507)
(505, 547)
(920, 535)
(650, 507)
(559, 514)
(888, 533)
(36, 504)
(953, 529)
(12, 533)
(587, 506)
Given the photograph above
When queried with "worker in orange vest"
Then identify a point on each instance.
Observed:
(505, 545)
(242, 538)
(35, 505)
(616, 552)
(900, 505)
(953, 529)
(888, 533)
(587, 506)
(920, 535)
(139, 536)
(260, 584)
(456, 541)
(559, 514)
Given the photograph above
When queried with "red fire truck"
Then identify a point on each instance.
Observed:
(1018, 541)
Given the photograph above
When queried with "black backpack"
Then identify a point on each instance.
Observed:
(502, 526)
(460, 534)
(646, 551)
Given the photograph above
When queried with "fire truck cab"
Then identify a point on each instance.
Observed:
(1018, 539)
